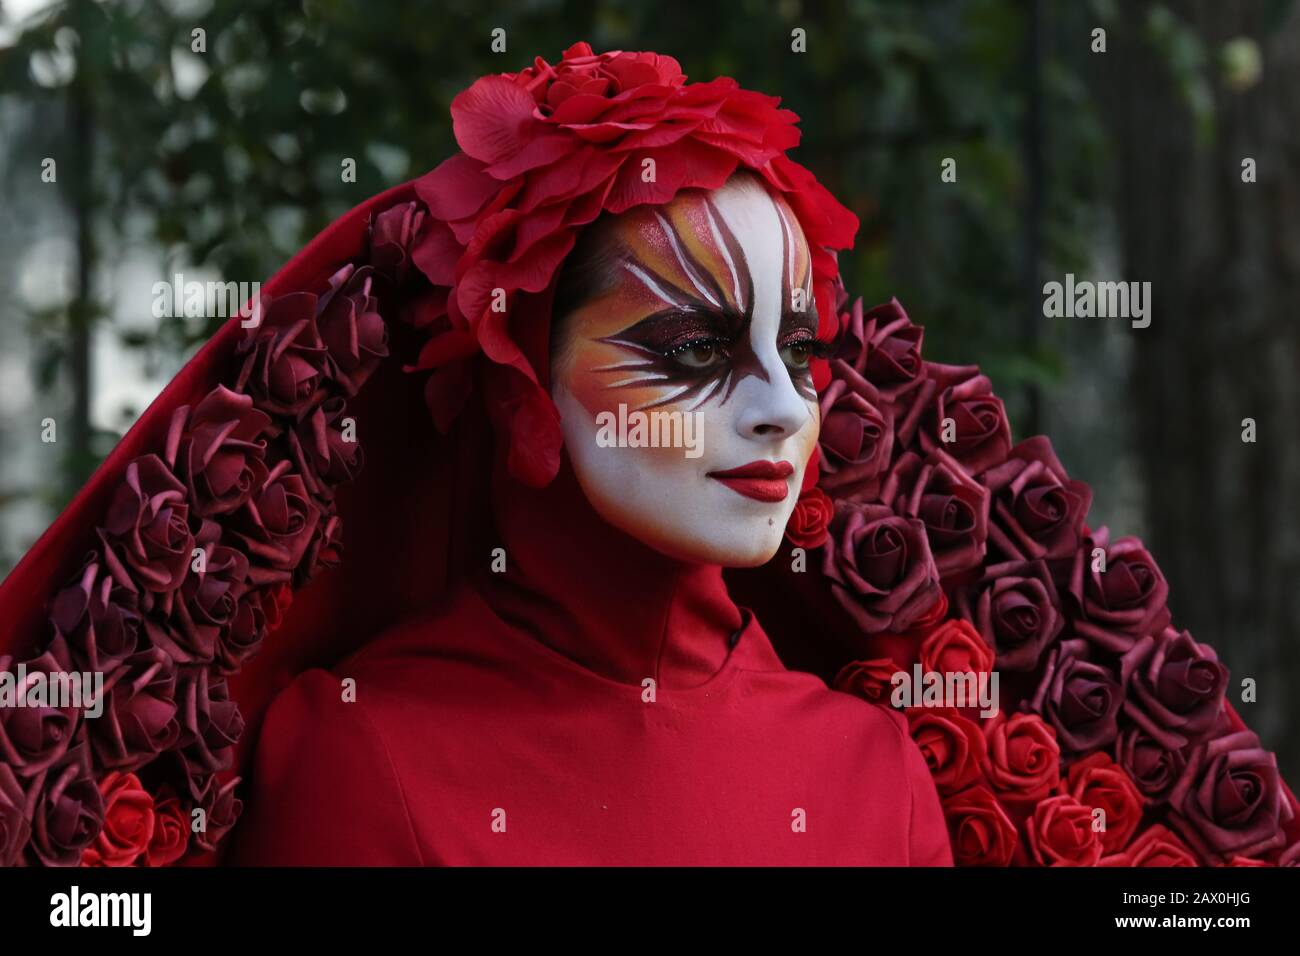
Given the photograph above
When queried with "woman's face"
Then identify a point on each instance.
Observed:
(684, 387)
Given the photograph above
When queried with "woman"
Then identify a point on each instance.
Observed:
(625, 291)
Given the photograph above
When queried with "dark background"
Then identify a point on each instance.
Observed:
(1122, 165)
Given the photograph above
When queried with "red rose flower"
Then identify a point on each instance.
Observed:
(1174, 687)
(139, 719)
(128, 822)
(1024, 760)
(1097, 781)
(1154, 846)
(1038, 510)
(276, 525)
(952, 505)
(220, 806)
(980, 831)
(146, 530)
(1060, 833)
(1079, 697)
(351, 328)
(1122, 603)
(392, 234)
(954, 410)
(286, 365)
(68, 810)
(857, 435)
(1152, 766)
(953, 746)
(99, 618)
(218, 448)
(171, 832)
(882, 345)
(870, 680)
(37, 736)
(810, 519)
(954, 647)
(1017, 610)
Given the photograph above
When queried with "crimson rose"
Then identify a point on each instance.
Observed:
(1016, 609)
(981, 832)
(1174, 687)
(128, 823)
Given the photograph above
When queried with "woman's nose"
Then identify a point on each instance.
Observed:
(771, 408)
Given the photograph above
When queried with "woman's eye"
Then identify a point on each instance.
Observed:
(797, 354)
(699, 354)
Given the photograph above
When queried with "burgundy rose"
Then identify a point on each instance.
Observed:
(1038, 510)
(277, 524)
(1154, 846)
(810, 519)
(34, 735)
(285, 362)
(392, 234)
(1016, 609)
(953, 746)
(880, 567)
(954, 410)
(325, 448)
(1119, 590)
(325, 550)
(15, 824)
(857, 435)
(351, 328)
(1096, 781)
(206, 603)
(1229, 799)
(258, 614)
(1024, 759)
(871, 680)
(217, 447)
(171, 832)
(220, 806)
(952, 505)
(139, 720)
(1153, 767)
(1174, 687)
(68, 812)
(146, 530)
(98, 618)
(128, 823)
(1060, 833)
(980, 831)
(1079, 697)
(882, 346)
(210, 721)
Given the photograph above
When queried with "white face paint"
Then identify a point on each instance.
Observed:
(701, 330)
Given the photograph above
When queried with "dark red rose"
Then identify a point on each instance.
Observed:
(325, 448)
(285, 365)
(68, 811)
(1079, 697)
(1060, 833)
(953, 746)
(1153, 767)
(810, 519)
(277, 525)
(15, 827)
(1038, 510)
(857, 435)
(258, 614)
(954, 647)
(981, 832)
(1024, 759)
(392, 234)
(883, 346)
(1154, 846)
(211, 723)
(870, 680)
(128, 823)
(35, 735)
(953, 506)
(1174, 687)
(171, 832)
(1123, 603)
(325, 550)
(218, 449)
(146, 530)
(954, 410)
(1229, 799)
(880, 567)
(351, 328)
(98, 618)
(1096, 781)
(206, 603)
(1016, 609)
(139, 719)
(220, 806)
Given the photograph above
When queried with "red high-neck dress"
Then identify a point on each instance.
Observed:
(511, 724)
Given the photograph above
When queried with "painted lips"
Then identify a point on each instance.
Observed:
(760, 480)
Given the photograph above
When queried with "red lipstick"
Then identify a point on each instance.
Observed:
(760, 480)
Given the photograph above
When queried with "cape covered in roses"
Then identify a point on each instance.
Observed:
(204, 565)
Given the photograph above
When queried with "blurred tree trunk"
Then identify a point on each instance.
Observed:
(1223, 257)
